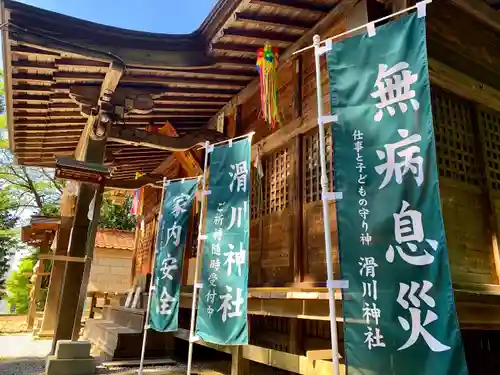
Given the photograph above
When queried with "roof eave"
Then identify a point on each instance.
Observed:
(4, 18)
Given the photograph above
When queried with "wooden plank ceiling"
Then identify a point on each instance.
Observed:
(58, 62)
(495, 4)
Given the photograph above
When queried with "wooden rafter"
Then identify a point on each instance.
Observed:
(273, 21)
(186, 159)
(272, 37)
(236, 62)
(219, 73)
(233, 47)
(27, 51)
(297, 5)
(334, 14)
(127, 135)
(481, 11)
(189, 99)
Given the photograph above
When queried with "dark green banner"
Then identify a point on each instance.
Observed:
(171, 241)
(399, 309)
(222, 305)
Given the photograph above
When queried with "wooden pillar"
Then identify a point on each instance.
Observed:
(82, 241)
(296, 344)
(89, 251)
(239, 365)
(93, 305)
(73, 275)
(358, 16)
(35, 290)
(58, 267)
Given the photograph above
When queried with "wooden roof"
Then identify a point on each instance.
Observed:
(55, 64)
(114, 239)
(33, 234)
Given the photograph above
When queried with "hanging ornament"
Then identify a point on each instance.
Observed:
(138, 200)
(267, 64)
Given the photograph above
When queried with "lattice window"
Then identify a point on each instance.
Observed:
(455, 143)
(311, 164)
(490, 123)
(256, 195)
(146, 241)
(275, 197)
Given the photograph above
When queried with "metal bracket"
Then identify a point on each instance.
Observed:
(422, 8)
(326, 48)
(146, 327)
(328, 119)
(194, 339)
(333, 196)
(198, 285)
(210, 149)
(207, 192)
(202, 237)
(337, 284)
(370, 27)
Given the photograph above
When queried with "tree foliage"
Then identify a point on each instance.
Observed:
(34, 188)
(19, 285)
(116, 216)
(9, 243)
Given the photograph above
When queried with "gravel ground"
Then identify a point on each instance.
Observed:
(22, 355)
(36, 366)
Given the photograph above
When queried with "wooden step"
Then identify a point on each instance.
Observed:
(119, 342)
(126, 317)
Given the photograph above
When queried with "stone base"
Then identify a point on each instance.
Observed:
(67, 349)
(71, 358)
(55, 366)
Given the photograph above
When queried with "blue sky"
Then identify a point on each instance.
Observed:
(160, 16)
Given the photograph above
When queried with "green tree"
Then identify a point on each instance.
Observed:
(116, 216)
(34, 188)
(8, 241)
(19, 285)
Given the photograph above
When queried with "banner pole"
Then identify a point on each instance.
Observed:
(197, 263)
(326, 216)
(151, 282)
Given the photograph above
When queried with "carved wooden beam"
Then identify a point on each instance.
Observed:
(108, 86)
(151, 180)
(186, 159)
(127, 135)
(482, 11)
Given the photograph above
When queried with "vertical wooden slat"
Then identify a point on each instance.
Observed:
(297, 205)
(191, 239)
(238, 121)
(485, 138)
(297, 88)
(133, 268)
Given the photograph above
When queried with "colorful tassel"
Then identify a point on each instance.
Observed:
(267, 64)
(138, 201)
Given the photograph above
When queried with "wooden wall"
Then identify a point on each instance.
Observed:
(143, 255)
(287, 242)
